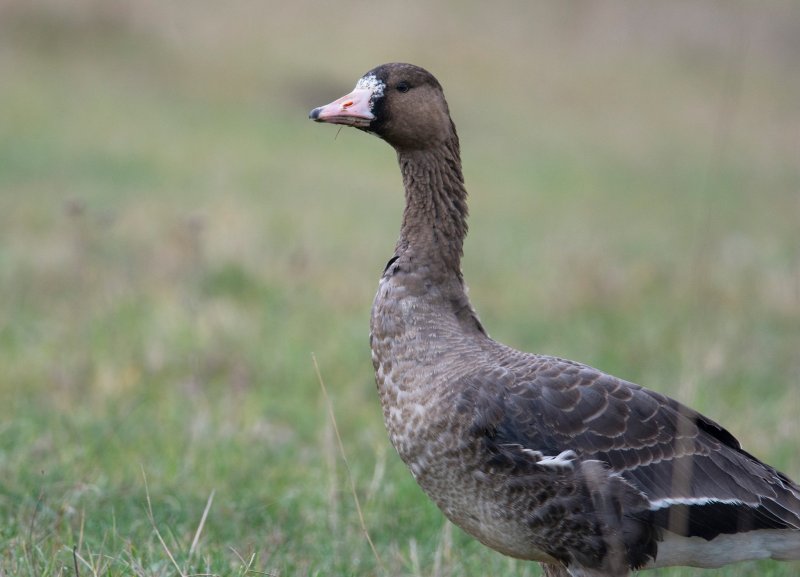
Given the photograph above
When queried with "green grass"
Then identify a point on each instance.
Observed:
(176, 240)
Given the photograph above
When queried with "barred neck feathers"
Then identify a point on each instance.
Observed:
(435, 216)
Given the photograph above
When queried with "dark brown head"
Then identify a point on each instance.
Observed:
(401, 103)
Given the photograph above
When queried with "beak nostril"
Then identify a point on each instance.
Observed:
(347, 104)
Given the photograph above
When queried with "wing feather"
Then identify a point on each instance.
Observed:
(692, 470)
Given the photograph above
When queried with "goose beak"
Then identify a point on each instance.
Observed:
(354, 109)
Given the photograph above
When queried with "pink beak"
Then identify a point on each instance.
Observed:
(354, 109)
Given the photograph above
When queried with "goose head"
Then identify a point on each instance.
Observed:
(401, 103)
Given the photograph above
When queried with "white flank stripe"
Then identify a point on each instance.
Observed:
(669, 501)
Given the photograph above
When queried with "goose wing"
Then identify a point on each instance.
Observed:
(697, 478)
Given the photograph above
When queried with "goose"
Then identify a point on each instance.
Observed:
(538, 457)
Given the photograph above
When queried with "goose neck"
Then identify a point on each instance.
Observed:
(435, 217)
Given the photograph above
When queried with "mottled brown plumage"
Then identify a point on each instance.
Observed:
(538, 457)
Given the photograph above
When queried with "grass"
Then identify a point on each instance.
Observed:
(176, 240)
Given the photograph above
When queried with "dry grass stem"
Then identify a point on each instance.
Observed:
(155, 528)
(202, 523)
(329, 404)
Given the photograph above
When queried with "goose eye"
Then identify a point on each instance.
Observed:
(403, 87)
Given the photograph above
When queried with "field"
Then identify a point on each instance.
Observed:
(177, 240)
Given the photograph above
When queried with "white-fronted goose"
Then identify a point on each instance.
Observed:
(538, 457)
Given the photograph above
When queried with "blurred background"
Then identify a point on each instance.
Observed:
(177, 239)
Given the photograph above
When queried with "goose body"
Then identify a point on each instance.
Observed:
(537, 457)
